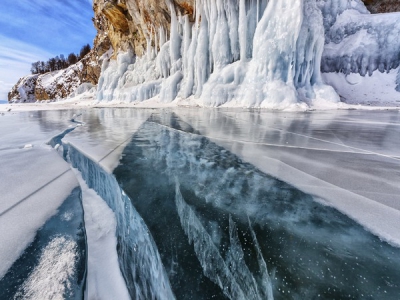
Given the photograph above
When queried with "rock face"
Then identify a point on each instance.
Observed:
(382, 6)
(129, 23)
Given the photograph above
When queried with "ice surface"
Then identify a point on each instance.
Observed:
(309, 247)
(232, 275)
(266, 204)
(335, 156)
(246, 55)
(24, 192)
(114, 128)
(56, 267)
(53, 266)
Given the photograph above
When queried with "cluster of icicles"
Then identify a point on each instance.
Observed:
(246, 53)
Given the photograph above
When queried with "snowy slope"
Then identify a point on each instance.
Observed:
(24, 90)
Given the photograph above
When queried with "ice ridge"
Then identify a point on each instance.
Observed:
(140, 262)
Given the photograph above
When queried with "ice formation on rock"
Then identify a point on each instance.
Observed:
(362, 43)
(357, 42)
(255, 54)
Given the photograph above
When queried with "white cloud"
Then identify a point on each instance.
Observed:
(16, 58)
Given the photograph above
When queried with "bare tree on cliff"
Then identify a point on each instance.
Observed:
(84, 50)
(72, 59)
(59, 62)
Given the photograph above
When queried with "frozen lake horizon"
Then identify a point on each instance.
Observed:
(215, 203)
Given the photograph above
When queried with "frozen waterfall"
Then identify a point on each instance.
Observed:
(243, 53)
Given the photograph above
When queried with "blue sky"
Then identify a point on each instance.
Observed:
(32, 30)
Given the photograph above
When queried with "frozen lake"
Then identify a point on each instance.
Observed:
(200, 204)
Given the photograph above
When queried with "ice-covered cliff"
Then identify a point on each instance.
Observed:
(252, 53)
(246, 53)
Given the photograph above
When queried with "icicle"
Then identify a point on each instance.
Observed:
(278, 42)
(398, 81)
(221, 43)
(243, 30)
(161, 33)
(155, 41)
(186, 40)
(175, 40)
(232, 16)
(258, 11)
(202, 60)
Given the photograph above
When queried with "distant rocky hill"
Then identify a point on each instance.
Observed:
(60, 84)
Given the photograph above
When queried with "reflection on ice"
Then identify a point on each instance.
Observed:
(232, 274)
(310, 249)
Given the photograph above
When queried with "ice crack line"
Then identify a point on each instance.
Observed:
(31, 194)
(325, 141)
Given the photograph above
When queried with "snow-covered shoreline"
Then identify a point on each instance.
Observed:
(154, 103)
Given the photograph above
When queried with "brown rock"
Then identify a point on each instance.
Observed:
(128, 23)
(382, 6)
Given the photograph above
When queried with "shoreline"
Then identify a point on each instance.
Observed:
(83, 101)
